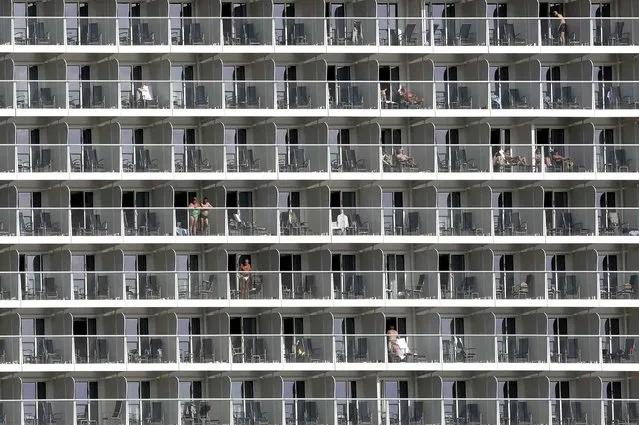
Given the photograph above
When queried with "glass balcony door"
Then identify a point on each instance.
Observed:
(294, 342)
(286, 87)
(188, 278)
(395, 275)
(345, 339)
(183, 90)
(138, 406)
(135, 267)
(31, 282)
(189, 342)
(343, 267)
(387, 22)
(181, 18)
(284, 14)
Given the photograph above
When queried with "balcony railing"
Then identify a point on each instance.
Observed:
(476, 286)
(320, 157)
(319, 349)
(432, 32)
(383, 222)
(300, 411)
(322, 97)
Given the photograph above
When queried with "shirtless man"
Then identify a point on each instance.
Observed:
(405, 159)
(563, 28)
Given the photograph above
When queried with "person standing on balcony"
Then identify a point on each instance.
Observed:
(194, 216)
(204, 216)
(245, 276)
(342, 222)
(563, 28)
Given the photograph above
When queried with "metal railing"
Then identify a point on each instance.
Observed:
(300, 411)
(320, 157)
(384, 97)
(319, 349)
(469, 285)
(440, 222)
(433, 32)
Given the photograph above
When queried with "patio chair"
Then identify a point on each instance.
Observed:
(195, 34)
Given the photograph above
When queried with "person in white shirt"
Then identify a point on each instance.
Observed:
(342, 222)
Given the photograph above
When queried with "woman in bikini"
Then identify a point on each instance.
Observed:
(194, 216)
(245, 275)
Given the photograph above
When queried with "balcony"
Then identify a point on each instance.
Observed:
(448, 411)
(53, 349)
(538, 351)
(599, 161)
(351, 286)
(148, 31)
(158, 97)
(300, 31)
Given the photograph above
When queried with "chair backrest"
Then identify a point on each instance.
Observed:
(344, 93)
(196, 32)
(145, 30)
(408, 31)
(464, 95)
(153, 220)
(97, 94)
(155, 345)
(357, 99)
(49, 285)
(117, 409)
(566, 93)
(302, 93)
(473, 412)
(156, 411)
(200, 94)
(45, 159)
(362, 346)
(364, 413)
(573, 346)
(250, 31)
(153, 282)
(103, 285)
(630, 345)
(300, 157)
(204, 410)
(48, 346)
(45, 92)
(620, 156)
(613, 218)
(529, 280)
(464, 30)
(523, 346)
(418, 411)
(207, 346)
(251, 93)
(312, 412)
(571, 284)
(94, 31)
(514, 93)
